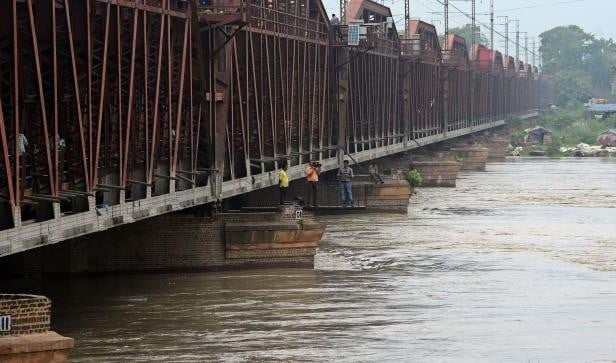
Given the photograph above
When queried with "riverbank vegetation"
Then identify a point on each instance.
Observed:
(570, 128)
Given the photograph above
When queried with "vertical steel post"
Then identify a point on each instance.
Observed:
(492, 28)
(526, 49)
(407, 17)
(534, 55)
(507, 39)
(446, 25)
(517, 39)
(474, 29)
(506, 35)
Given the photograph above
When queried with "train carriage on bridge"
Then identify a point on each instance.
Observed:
(269, 67)
(482, 89)
(421, 60)
(498, 87)
(456, 74)
(98, 98)
(368, 76)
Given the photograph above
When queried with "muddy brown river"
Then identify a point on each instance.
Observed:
(517, 264)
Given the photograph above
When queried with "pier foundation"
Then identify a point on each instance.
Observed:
(288, 237)
(498, 149)
(473, 158)
(25, 334)
(437, 172)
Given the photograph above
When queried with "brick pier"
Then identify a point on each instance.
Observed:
(438, 170)
(25, 334)
(498, 149)
(183, 242)
(472, 157)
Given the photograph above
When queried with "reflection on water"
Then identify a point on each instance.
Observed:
(516, 264)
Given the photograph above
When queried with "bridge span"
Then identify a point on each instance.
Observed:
(116, 111)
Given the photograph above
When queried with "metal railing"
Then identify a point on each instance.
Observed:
(265, 16)
(453, 57)
(415, 47)
(329, 194)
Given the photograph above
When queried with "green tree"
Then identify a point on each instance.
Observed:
(579, 62)
(572, 88)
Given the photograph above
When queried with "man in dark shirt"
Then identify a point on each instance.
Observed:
(345, 175)
(335, 22)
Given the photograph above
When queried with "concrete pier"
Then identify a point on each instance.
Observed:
(287, 237)
(391, 196)
(437, 168)
(498, 149)
(25, 334)
(472, 157)
(440, 173)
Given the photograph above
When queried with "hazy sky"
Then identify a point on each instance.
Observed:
(536, 16)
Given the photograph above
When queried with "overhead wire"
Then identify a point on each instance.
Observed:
(490, 28)
(486, 26)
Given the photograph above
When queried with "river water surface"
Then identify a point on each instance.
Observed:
(517, 264)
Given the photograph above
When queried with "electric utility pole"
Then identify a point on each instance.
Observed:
(526, 48)
(517, 39)
(506, 35)
(534, 55)
(446, 25)
(474, 17)
(343, 6)
(407, 17)
(492, 26)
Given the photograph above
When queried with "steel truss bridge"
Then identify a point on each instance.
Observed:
(112, 111)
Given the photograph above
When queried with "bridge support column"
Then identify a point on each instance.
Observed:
(172, 183)
(56, 210)
(16, 216)
(122, 196)
(391, 196)
(288, 237)
(498, 149)
(472, 157)
(437, 169)
(341, 62)
(26, 336)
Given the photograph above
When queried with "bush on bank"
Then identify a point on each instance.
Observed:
(414, 178)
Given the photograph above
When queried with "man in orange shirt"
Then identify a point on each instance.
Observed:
(312, 175)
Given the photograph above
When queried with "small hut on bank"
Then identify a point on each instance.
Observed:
(607, 138)
(538, 136)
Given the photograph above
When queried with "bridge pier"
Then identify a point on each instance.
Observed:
(473, 158)
(25, 335)
(288, 237)
(438, 169)
(498, 149)
(392, 196)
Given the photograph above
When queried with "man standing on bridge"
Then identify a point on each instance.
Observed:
(312, 175)
(335, 22)
(345, 175)
(283, 183)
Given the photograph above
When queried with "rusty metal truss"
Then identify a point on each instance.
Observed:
(97, 97)
(117, 110)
